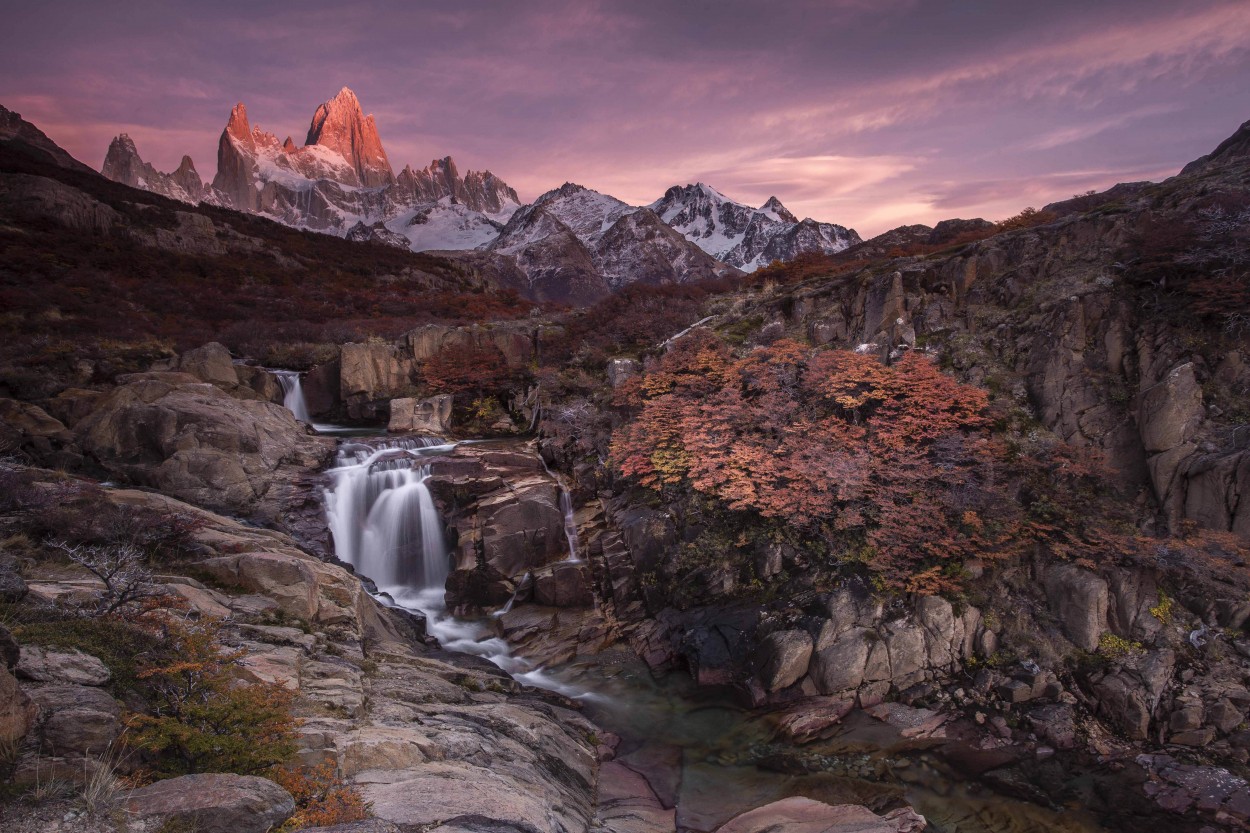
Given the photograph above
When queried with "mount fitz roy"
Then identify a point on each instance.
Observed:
(571, 241)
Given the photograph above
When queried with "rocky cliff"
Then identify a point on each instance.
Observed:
(123, 164)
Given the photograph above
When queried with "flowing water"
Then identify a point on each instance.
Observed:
(384, 523)
(293, 394)
(702, 752)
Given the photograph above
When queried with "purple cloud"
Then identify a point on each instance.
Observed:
(864, 113)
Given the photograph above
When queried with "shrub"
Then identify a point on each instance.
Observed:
(203, 719)
(321, 797)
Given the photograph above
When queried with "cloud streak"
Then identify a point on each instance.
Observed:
(864, 113)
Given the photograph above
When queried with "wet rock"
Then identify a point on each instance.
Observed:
(782, 658)
(480, 589)
(62, 667)
(423, 416)
(564, 585)
(627, 804)
(814, 717)
(522, 528)
(216, 803)
(805, 815)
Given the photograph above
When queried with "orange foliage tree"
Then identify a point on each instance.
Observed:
(203, 719)
(892, 464)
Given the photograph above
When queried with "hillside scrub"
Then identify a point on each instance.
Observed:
(898, 467)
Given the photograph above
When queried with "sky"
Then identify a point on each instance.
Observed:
(867, 113)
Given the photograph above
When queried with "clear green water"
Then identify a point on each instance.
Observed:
(713, 759)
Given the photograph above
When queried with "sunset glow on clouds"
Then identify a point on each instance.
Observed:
(869, 114)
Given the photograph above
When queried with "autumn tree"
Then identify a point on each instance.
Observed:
(203, 719)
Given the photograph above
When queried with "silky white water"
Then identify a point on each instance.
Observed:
(293, 394)
(384, 523)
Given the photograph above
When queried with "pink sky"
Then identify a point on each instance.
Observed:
(869, 114)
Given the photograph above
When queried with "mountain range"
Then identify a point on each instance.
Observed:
(571, 241)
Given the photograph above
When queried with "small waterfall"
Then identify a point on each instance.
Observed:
(570, 525)
(384, 523)
(293, 397)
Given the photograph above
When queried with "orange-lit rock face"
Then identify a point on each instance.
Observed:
(340, 125)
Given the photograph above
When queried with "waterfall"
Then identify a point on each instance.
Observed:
(570, 525)
(293, 397)
(384, 523)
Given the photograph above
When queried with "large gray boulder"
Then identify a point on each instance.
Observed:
(423, 416)
(1080, 600)
(783, 658)
(176, 434)
(214, 803)
(64, 667)
(840, 666)
(76, 721)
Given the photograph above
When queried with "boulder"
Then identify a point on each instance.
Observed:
(1080, 600)
(425, 416)
(621, 370)
(565, 585)
(12, 586)
(196, 442)
(841, 665)
(31, 429)
(17, 711)
(782, 658)
(522, 527)
(214, 803)
(61, 667)
(210, 363)
(76, 721)
(805, 815)
(302, 587)
(628, 804)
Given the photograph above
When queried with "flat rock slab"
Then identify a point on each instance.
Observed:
(65, 667)
(217, 803)
(628, 805)
(803, 815)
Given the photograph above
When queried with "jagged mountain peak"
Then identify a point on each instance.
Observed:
(237, 125)
(775, 209)
(123, 164)
(341, 126)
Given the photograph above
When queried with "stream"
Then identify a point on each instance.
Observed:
(701, 752)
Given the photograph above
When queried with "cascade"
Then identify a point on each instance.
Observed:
(293, 394)
(384, 523)
(570, 525)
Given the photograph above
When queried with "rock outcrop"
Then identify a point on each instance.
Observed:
(123, 164)
(423, 416)
(341, 127)
(212, 803)
(173, 432)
